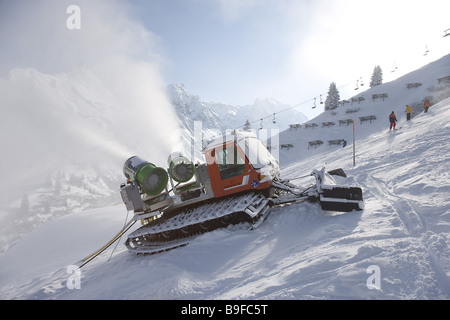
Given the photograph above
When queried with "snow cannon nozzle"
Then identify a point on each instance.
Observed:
(181, 168)
(152, 179)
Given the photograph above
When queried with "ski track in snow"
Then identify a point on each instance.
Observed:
(299, 252)
(413, 188)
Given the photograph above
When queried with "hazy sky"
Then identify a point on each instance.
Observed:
(91, 96)
(233, 51)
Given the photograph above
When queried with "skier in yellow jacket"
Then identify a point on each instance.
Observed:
(408, 113)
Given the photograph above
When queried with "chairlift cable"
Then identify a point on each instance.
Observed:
(293, 106)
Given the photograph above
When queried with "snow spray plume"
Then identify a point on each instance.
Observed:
(88, 94)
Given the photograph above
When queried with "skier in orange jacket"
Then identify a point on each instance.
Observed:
(426, 105)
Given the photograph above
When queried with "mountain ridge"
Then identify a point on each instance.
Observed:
(222, 117)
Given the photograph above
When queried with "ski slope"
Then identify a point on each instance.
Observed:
(300, 252)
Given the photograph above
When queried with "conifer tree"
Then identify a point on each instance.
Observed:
(377, 77)
(333, 98)
(247, 126)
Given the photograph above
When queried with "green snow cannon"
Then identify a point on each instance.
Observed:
(152, 179)
(180, 168)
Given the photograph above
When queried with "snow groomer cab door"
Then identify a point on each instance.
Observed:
(230, 171)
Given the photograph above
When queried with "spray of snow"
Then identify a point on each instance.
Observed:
(90, 96)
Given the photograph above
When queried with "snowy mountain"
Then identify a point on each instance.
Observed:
(397, 248)
(84, 128)
(220, 116)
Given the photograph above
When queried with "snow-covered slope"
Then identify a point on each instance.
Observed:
(397, 248)
(336, 124)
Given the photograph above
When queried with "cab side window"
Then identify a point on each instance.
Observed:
(229, 162)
